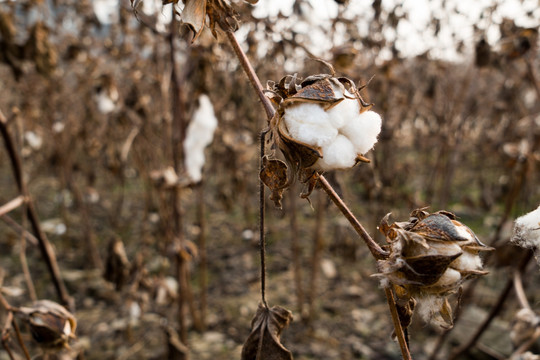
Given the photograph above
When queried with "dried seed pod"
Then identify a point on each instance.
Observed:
(51, 325)
(430, 257)
(321, 123)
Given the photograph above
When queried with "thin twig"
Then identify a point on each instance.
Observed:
(262, 239)
(19, 229)
(24, 262)
(20, 339)
(11, 205)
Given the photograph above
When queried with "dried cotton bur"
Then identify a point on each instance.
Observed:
(527, 232)
(321, 124)
(51, 325)
(431, 255)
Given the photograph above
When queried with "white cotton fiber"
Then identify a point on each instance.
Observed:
(363, 131)
(339, 154)
(527, 232)
(428, 306)
(309, 123)
(467, 262)
(344, 112)
(199, 134)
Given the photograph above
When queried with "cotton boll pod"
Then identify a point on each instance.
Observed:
(310, 117)
(430, 256)
(51, 325)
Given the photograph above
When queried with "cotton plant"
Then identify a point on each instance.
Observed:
(527, 232)
(199, 134)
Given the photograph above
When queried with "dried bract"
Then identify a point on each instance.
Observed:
(51, 325)
(430, 257)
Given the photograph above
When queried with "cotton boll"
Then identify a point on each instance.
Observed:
(339, 154)
(363, 131)
(199, 134)
(309, 123)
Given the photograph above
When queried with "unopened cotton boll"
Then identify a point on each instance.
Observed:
(339, 154)
(199, 134)
(363, 131)
(309, 123)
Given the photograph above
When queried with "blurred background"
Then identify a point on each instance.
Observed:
(87, 89)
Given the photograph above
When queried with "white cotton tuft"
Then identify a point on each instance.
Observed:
(449, 278)
(467, 261)
(527, 232)
(344, 112)
(309, 123)
(428, 306)
(339, 154)
(199, 135)
(363, 131)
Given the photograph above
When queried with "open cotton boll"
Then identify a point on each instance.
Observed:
(363, 131)
(199, 134)
(309, 123)
(339, 154)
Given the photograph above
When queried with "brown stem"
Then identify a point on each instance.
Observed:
(494, 311)
(203, 261)
(318, 246)
(46, 249)
(262, 238)
(20, 339)
(375, 249)
(397, 324)
(24, 263)
(177, 135)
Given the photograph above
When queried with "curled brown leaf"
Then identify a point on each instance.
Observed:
(263, 343)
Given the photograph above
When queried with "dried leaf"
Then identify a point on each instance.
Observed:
(274, 175)
(263, 343)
